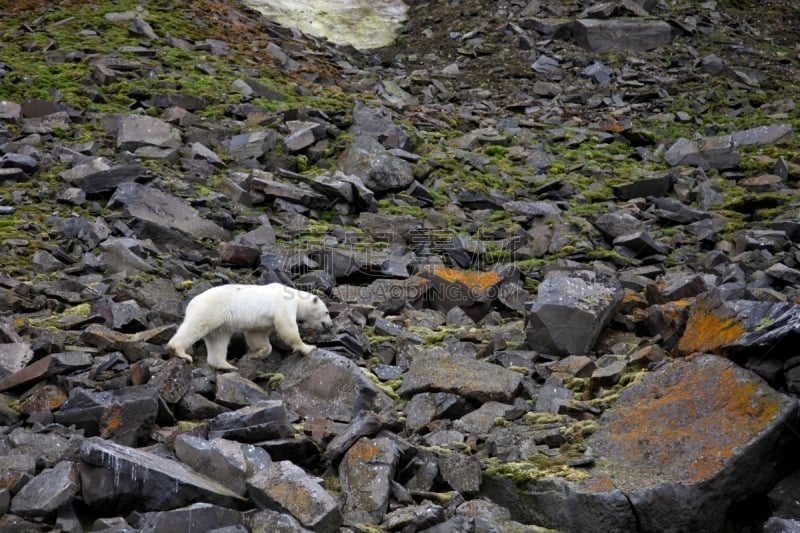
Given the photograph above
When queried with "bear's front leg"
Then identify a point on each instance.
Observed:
(217, 350)
(286, 328)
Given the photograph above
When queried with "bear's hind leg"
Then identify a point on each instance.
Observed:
(286, 328)
(189, 332)
(217, 350)
(258, 341)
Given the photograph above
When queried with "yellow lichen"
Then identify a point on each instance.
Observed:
(707, 332)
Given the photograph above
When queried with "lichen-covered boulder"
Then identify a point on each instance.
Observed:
(677, 450)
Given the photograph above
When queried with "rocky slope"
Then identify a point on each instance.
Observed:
(558, 240)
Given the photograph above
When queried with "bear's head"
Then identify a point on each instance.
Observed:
(313, 312)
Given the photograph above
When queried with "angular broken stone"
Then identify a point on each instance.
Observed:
(473, 291)
(205, 516)
(711, 152)
(621, 34)
(163, 210)
(379, 170)
(365, 474)
(135, 131)
(306, 389)
(123, 415)
(265, 420)
(641, 244)
(48, 365)
(227, 462)
(14, 356)
(570, 311)
(677, 474)
(302, 134)
(48, 491)
(286, 487)
(461, 472)
(105, 181)
(174, 380)
(365, 424)
(265, 184)
(428, 406)
(233, 390)
(347, 188)
(115, 478)
(251, 145)
(470, 378)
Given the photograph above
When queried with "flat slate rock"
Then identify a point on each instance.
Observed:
(116, 477)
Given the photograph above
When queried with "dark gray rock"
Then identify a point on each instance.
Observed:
(461, 472)
(234, 390)
(48, 491)
(47, 124)
(123, 415)
(617, 223)
(302, 135)
(641, 243)
(425, 407)
(347, 189)
(365, 424)
(163, 211)
(14, 357)
(269, 521)
(365, 474)
(472, 379)
(644, 187)
(379, 170)
(781, 525)
(307, 388)
(513, 443)
(104, 182)
(193, 406)
(377, 123)
(251, 145)
(262, 421)
(174, 380)
(784, 498)
(203, 516)
(762, 135)
(285, 487)
(711, 152)
(264, 184)
(570, 311)
(49, 365)
(415, 517)
(116, 478)
(136, 131)
(621, 34)
(482, 419)
(228, 462)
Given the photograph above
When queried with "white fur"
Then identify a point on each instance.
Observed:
(255, 310)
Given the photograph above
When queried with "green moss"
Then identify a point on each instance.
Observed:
(535, 468)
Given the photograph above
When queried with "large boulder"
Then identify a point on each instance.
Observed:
(679, 449)
(570, 311)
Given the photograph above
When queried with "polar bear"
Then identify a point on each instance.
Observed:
(255, 310)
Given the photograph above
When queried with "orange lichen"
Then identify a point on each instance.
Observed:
(472, 280)
(599, 482)
(708, 332)
(364, 451)
(111, 421)
(688, 426)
